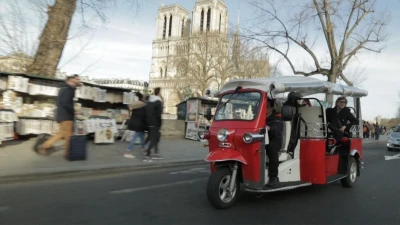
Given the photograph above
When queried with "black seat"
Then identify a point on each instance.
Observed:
(295, 133)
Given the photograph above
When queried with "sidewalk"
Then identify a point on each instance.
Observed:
(17, 159)
(382, 138)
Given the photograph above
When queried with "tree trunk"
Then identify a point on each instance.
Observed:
(53, 38)
(331, 78)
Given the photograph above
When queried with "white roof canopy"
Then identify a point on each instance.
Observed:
(301, 84)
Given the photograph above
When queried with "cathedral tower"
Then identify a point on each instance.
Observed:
(174, 30)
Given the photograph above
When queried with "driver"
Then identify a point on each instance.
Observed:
(338, 118)
(274, 127)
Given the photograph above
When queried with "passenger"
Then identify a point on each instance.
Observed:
(292, 99)
(306, 102)
(338, 118)
(274, 128)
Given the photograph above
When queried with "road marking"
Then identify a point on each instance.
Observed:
(193, 170)
(392, 157)
(131, 190)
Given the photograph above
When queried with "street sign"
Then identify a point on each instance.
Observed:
(392, 157)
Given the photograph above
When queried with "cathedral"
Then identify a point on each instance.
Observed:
(174, 28)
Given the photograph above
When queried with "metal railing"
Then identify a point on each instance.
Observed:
(313, 130)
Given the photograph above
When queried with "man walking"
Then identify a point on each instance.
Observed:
(153, 118)
(65, 115)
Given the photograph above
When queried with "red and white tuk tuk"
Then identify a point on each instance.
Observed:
(309, 154)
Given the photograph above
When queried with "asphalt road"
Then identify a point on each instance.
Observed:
(177, 196)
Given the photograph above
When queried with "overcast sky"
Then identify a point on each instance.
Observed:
(123, 47)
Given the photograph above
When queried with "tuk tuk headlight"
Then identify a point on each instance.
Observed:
(203, 135)
(222, 135)
(247, 138)
(251, 138)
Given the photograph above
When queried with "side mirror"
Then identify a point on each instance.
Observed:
(208, 114)
(287, 113)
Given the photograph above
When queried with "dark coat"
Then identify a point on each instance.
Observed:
(65, 103)
(275, 130)
(154, 111)
(137, 121)
(337, 120)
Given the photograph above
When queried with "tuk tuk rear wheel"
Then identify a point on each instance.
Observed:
(351, 177)
(218, 189)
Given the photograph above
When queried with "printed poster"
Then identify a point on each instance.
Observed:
(192, 110)
(192, 131)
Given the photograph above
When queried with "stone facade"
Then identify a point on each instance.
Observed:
(134, 85)
(18, 63)
(15, 62)
(174, 29)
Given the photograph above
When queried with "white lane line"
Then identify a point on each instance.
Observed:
(130, 190)
(392, 157)
(193, 170)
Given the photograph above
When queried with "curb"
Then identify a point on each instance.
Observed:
(375, 142)
(41, 176)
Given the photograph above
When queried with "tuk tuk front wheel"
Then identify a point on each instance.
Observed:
(352, 169)
(218, 193)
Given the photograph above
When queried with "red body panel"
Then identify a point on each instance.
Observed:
(331, 165)
(250, 153)
(356, 144)
(312, 161)
(220, 154)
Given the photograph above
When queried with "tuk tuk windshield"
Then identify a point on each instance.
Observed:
(238, 106)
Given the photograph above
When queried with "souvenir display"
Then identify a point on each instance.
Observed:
(3, 83)
(99, 95)
(33, 102)
(128, 98)
(6, 131)
(42, 88)
(35, 126)
(90, 125)
(80, 128)
(106, 135)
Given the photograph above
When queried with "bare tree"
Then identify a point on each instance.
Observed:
(17, 33)
(398, 108)
(398, 112)
(357, 76)
(197, 64)
(252, 63)
(225, 67)
(348, 27)
(55, 33)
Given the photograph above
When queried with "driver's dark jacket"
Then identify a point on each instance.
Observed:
(275, 130)
(337, 120)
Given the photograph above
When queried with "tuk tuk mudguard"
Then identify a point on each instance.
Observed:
(224, 155)
(356, 151)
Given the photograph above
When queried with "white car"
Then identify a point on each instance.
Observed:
(393, 142)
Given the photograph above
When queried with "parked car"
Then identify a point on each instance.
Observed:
(393, 141)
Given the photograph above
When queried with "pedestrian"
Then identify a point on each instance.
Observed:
(137, 123)
(373, 131)
(153, 119)
(365, 130)
(65, 115)
(377, 132)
